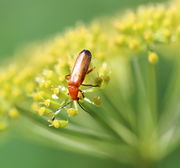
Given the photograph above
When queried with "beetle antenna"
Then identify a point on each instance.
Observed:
(59, 109)
(82, 106)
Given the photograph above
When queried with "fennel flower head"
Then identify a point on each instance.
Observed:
(132, 115)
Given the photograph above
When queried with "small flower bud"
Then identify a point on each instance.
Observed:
(16, 92)
(13, 113)
(167, 34)
(59, 123)
(97, 100)
(48, 73)
(38, 96)
(134, 44)
(152, 57)
(121, 40)
(56, 91)
(43, 111)
(148, 36)
(72, 112)
(30, 87)
(167, 22)
(47, 102)
(35, 107)
(138, 26)
(46, 84)
(51, 103)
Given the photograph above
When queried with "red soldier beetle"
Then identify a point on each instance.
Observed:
(77, 76)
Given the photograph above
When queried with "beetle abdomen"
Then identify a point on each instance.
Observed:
(80, 68)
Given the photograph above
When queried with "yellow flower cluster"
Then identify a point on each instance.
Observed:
(148, 28)
(51, 91)
(8, 94)
(41, 75)
(37, 81)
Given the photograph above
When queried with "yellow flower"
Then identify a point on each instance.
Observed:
(13, 113)
(152, 57)
(72, 112)
(59, 123)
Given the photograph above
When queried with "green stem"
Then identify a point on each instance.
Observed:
(102, 122)
(171, 101)
(75, 132)
(78, 142)
(123, 112)
(145, 119)
(152, 89)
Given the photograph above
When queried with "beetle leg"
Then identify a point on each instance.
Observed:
(89, 85)
(67, 77)
(82, 93)
(59, 109)
(90, 70)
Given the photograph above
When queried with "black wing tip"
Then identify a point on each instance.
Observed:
(86, 52)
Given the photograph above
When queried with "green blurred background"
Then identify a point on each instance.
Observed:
(24, 21)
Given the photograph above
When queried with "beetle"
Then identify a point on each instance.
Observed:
(76, 77)
(78, 73)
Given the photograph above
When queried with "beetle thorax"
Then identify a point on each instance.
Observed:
(73, 92)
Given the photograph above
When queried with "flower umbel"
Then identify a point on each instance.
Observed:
(137, 117)
(52, 95)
